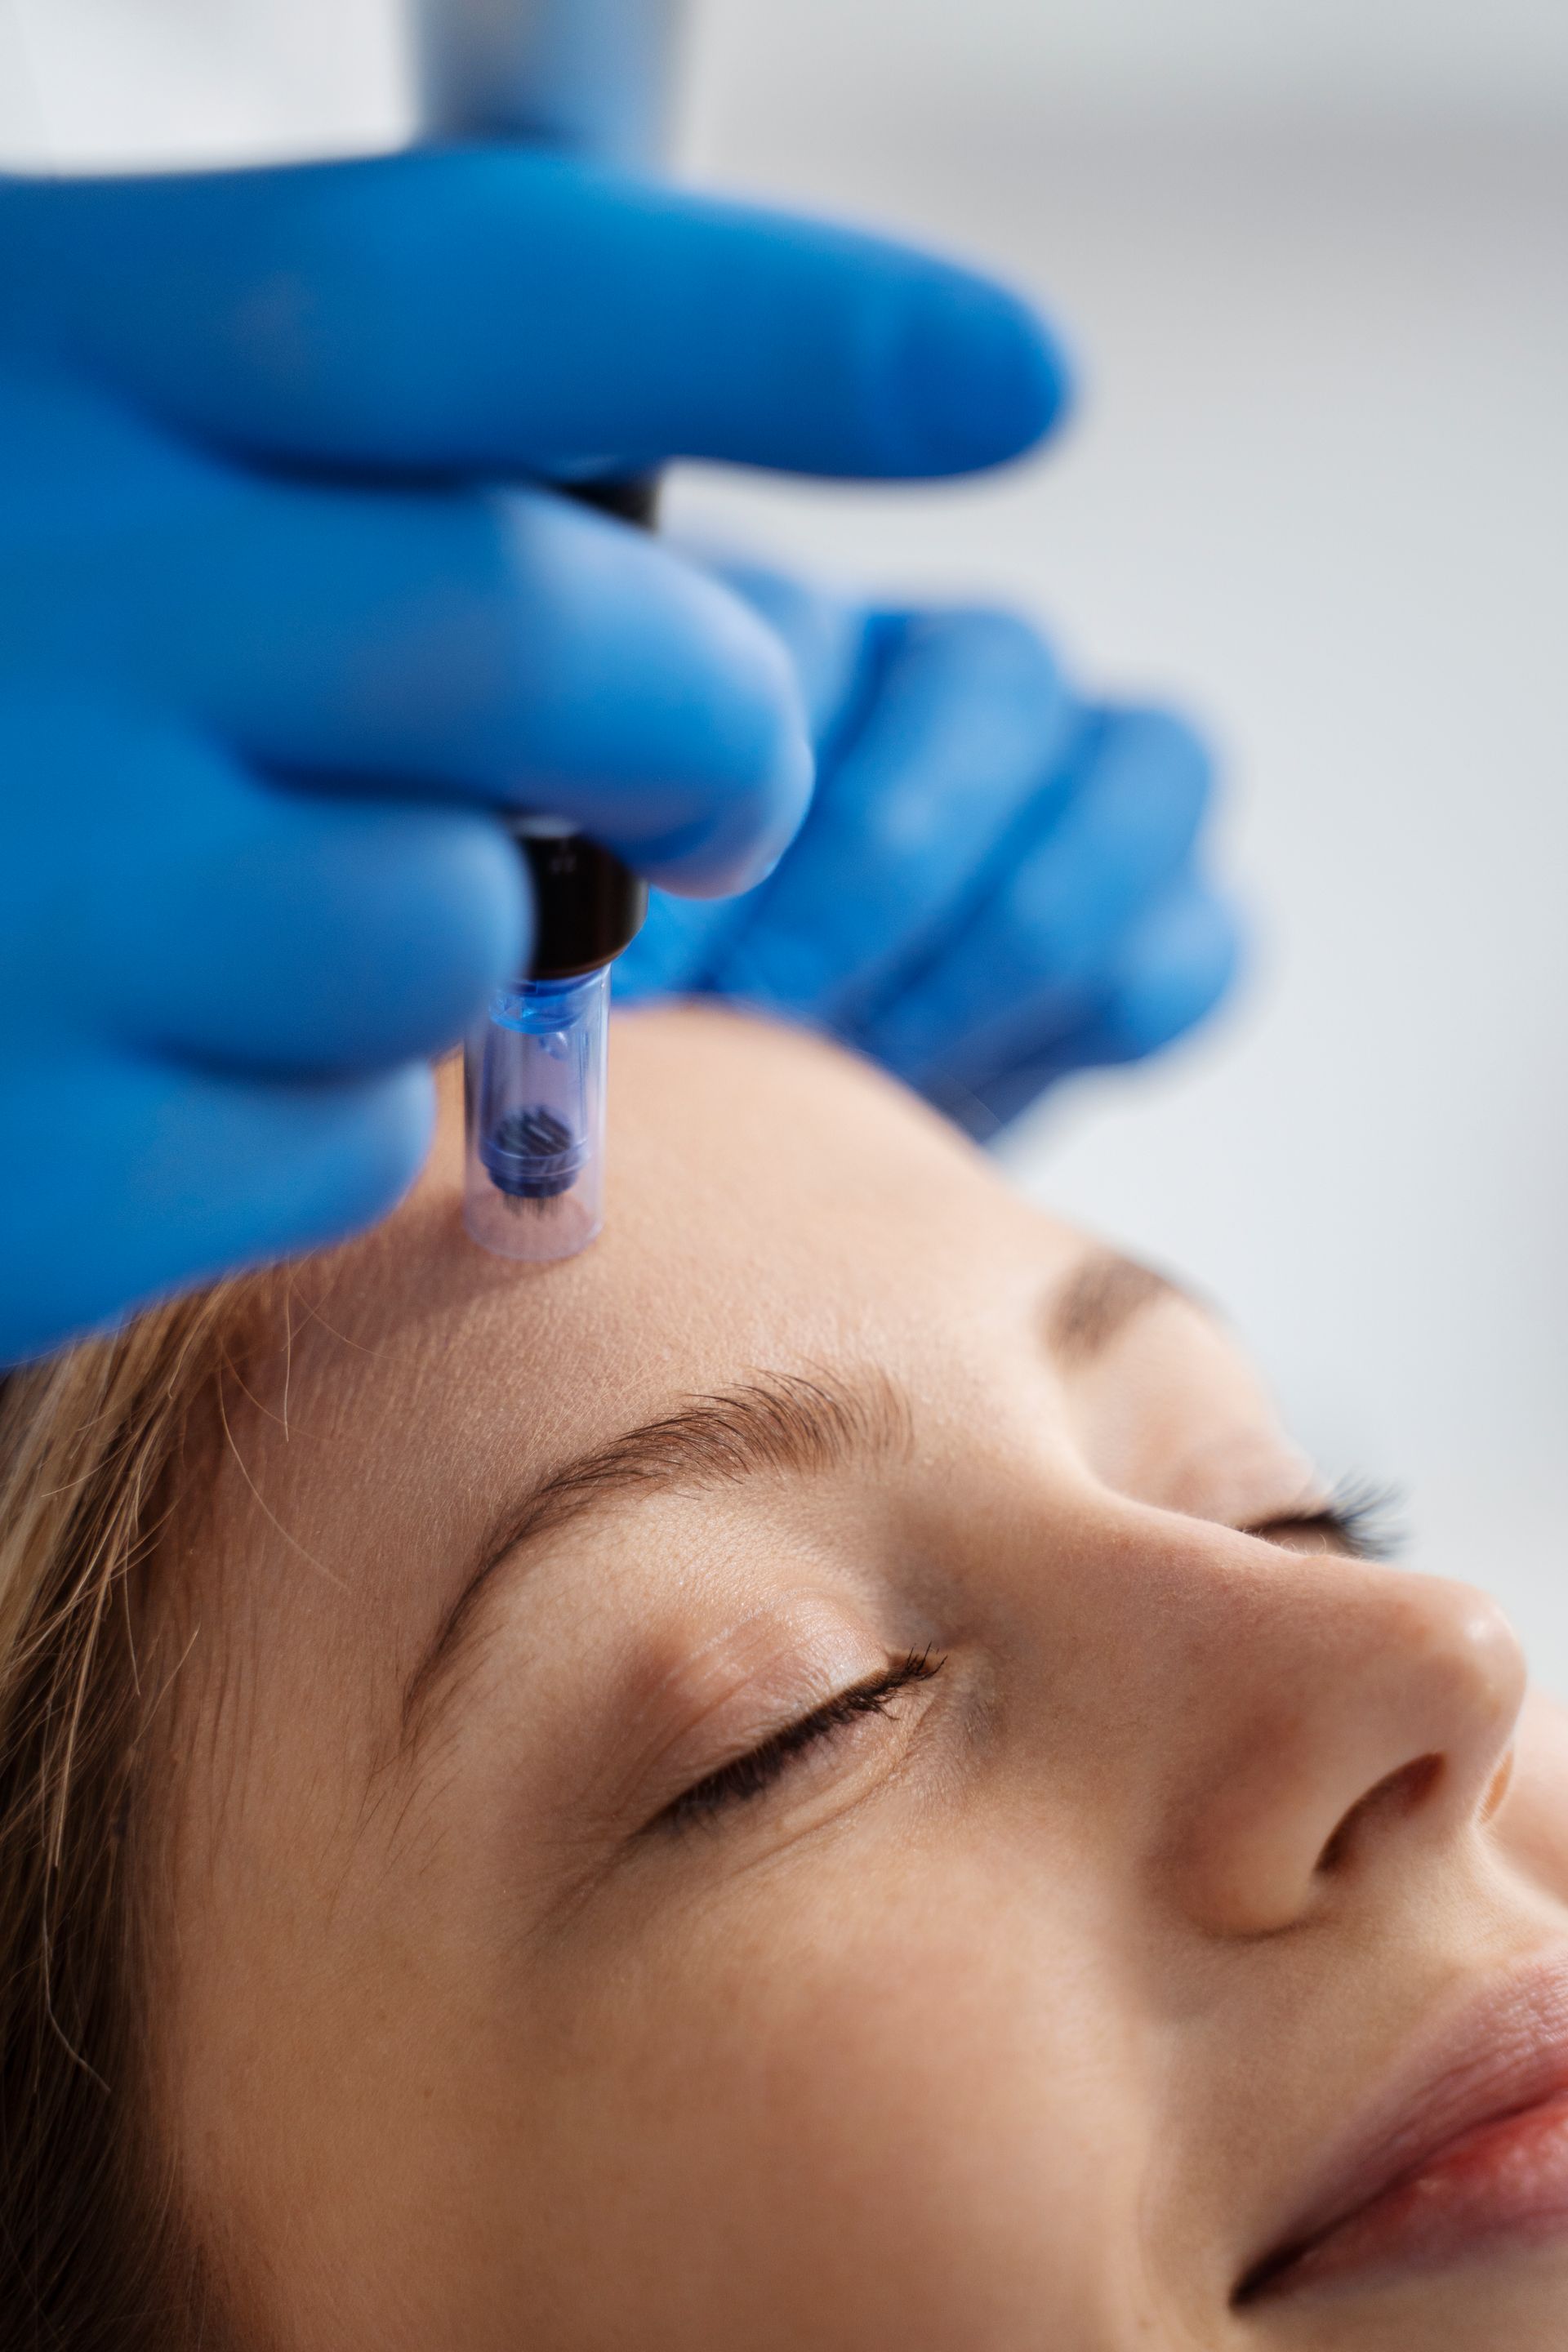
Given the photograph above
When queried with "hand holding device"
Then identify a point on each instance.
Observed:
(288, 612)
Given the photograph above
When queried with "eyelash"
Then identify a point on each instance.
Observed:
(1361, 1516)
(753, 1775)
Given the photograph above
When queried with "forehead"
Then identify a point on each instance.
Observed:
(766, 1193)
(773, 1205)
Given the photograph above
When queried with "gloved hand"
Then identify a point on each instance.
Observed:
(997, 882)
(272, 643)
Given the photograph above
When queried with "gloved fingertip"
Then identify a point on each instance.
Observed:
(740, 839)
(784, 794)
(825, 635)
(1188, 963)
(479, 911)
(974, 377)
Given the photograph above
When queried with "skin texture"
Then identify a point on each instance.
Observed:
(1014, 2019)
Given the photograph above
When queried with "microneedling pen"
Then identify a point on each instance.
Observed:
(582, 79)
(533, 1183)
(533, 1072)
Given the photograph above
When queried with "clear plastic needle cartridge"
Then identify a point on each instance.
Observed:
(534, 1069)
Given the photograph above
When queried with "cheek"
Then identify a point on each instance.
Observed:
(858, 2115)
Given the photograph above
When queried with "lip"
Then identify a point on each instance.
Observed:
(1467, 2147)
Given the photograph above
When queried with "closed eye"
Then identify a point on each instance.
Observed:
(1360, 1521)
(752, 1775)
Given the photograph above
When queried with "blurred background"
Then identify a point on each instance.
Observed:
(1313, 255)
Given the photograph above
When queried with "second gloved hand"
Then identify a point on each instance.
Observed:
(999, 881)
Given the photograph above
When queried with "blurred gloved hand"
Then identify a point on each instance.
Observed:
(998, 882)
(274, 646)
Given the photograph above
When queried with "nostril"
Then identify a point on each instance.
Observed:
(1394, 1798)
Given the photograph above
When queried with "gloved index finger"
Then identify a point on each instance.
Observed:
(494, 312)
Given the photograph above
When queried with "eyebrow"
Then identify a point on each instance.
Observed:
(781, 1425)
(1105, 1293)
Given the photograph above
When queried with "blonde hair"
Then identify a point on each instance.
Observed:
(95, 1446)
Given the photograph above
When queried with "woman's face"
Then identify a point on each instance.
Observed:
(810, 1779)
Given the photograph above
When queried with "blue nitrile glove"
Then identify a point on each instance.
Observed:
(998, 882)
(272, 643)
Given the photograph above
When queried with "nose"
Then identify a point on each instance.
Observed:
(1336, 1718)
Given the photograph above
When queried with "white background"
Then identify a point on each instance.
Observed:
(1314, 254)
